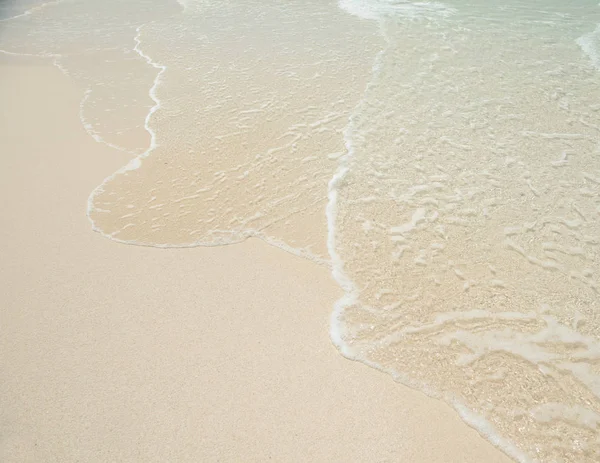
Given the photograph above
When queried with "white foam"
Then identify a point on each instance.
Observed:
(417, 217)
(350, 297)
(590, 45)
(486, 429)
(380, 9)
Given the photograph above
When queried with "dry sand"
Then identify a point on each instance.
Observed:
(122, 353)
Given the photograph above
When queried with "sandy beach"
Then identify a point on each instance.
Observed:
(112, 352)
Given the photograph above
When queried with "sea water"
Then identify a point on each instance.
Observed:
(442, 158)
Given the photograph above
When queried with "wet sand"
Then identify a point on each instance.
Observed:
(112, 352)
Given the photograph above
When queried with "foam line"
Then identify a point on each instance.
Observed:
(350, 296)
(136, 162)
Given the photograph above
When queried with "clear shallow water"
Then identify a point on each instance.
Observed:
(442, 158)
(467, 222)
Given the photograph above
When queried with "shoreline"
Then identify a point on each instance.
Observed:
(135, 353)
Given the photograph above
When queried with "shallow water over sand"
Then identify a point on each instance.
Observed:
(468, 221)
(442, 158)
